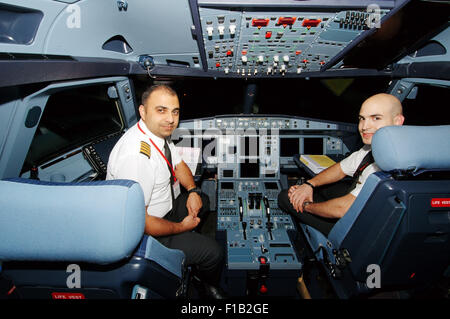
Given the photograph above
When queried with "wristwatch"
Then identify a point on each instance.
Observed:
(195, 190)
(302, 181)
(306, 203)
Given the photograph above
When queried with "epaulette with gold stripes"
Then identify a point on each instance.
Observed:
(145, 149)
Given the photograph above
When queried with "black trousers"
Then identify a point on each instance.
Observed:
(201, 251)
(320, 194)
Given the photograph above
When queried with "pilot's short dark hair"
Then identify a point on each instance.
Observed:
(156, 87)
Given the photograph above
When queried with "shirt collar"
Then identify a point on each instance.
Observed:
(156, 139)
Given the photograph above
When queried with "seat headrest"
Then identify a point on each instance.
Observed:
(412, 148)
(96, 222)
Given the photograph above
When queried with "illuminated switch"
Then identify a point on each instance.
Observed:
(286, 58)
(217, 64)
(283, 69)
(263, 289)
(299, 70)
(244, 59)
(255, 72)
(232, 29)
(229, 53)
(276, 58)
(285, 21)
(308, 23)
(221, 29)
(269, 70)
(227, 70)
(261, 58)
(260, 23)
(244, 52)
(210, 31)
(298, 52)
(262, 259)
(268, 34)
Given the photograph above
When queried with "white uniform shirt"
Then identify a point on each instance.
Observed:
(135, 158)
(350, 164)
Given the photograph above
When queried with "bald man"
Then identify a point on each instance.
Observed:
(311, 202)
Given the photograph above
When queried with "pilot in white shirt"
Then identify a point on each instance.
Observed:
(135, 157)
(140, 155)
(377, 111)
(350, 164)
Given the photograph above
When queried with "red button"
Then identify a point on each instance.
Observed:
(263, 289)
(218, 65)
(229, 53)
(268, 34)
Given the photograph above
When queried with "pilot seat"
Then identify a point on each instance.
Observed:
(83, 240)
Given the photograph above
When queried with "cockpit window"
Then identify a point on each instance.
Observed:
(325, 99)
(71, 119)
(426, 108)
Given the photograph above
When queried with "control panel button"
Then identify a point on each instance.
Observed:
(263, 289)
(221, 29)
(232, 29)
(210, 31)
(262, 260)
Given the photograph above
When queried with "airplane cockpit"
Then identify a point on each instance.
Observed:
(270, 93)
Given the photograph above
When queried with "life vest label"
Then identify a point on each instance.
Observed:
(440, 202)
(67, 295)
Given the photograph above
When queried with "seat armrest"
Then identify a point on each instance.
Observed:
(170, 259)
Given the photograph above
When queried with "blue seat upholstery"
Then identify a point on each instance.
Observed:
(99, 226)
(393, 223)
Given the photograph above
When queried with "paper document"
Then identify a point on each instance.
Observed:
(191, 156)
(316, 163)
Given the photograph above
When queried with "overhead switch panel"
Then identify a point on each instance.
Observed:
(264, 43)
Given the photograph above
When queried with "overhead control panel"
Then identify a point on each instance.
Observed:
(254, 43)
